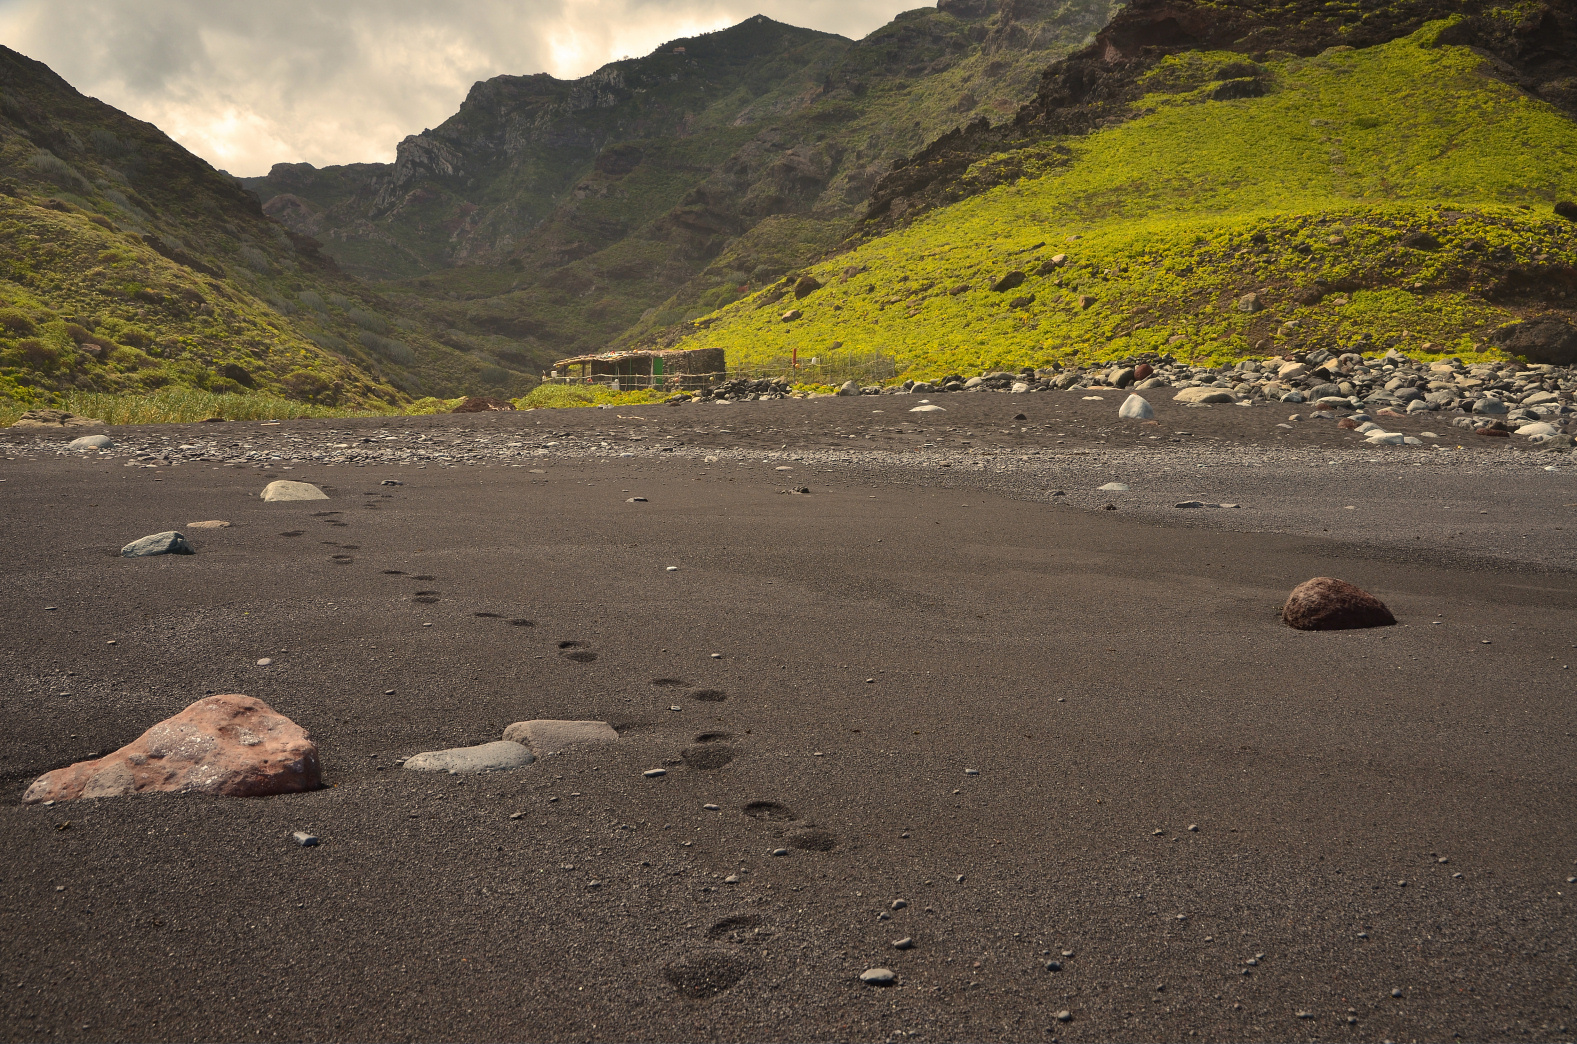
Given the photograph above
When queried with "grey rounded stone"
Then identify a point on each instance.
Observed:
(498, 756)
(91, 442)
(1136, 407)
(877, 977)
(167, 543)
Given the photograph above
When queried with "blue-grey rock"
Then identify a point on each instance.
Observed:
(170, 543)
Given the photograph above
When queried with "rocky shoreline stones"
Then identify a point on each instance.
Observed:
(1328, 604)
(230, 745)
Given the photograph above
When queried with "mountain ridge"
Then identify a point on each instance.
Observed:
(631, 233)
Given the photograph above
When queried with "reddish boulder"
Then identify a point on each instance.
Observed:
(237, 746)
(1142, 371)
(1328, 604)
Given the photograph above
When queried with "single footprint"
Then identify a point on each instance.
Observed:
(342, 559)
(709, 695)
(739, 928)
(291, 532)
(337, 522)
(707, 757)
(713, 737)
(394, 572)
(705, 974)
(576, 652)
(670, 683)
(487, 616)
(426, 597)
(771, 811)
(523, 623)
(813, 841)
(423, 576)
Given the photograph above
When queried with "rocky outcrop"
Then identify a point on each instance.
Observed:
(52, 420)
(1546, 339)
(232, 745)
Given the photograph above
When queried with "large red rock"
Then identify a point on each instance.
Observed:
(1328, 604)
(233, 745)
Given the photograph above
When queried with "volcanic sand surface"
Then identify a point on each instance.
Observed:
(1114, 677)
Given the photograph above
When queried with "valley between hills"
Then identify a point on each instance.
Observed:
(1120, 586)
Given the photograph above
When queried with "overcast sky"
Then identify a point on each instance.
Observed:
(249, 83)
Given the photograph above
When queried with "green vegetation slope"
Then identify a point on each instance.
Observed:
(1397, 194)
(129, 265)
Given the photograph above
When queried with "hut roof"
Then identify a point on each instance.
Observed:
(634, 353)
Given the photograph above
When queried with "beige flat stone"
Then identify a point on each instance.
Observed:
(544, 735)
(1204, 395)
(285, 490)
(212, 523)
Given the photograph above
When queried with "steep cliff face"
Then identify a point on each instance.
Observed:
(562, 213)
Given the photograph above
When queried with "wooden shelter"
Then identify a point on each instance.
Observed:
(657, 368)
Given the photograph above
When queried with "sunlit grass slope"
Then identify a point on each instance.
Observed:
(1397, 193)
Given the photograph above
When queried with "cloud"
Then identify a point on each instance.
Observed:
(249, 83)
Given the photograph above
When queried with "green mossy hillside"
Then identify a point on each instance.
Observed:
(128, 265)
(1395, 195)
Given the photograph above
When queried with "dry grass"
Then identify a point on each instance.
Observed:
(182, 406)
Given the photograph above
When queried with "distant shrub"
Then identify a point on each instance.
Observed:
(394, 351)
(137, 337)
(306, 384)
(368, 321)
(255, 259)
(312, 300)
(55, 168)
(105, 142)
(331, 342)
(339, 301)
(494, 375)
(36, 354)
(17, 323)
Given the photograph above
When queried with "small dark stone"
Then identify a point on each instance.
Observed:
(1328, 604)
(806, 285)
(1566, 209)
(1420, 241)
(1008, 282)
